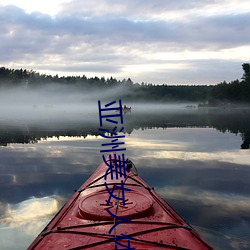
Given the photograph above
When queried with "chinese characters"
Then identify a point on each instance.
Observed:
(117, 167)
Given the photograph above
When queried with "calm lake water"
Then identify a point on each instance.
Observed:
(197, 160)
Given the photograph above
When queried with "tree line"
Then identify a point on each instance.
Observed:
(236, 91)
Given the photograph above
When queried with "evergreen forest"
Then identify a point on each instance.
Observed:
(224, 93)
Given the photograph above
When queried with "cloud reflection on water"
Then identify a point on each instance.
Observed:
(29, 210)
(208, 184)
(226, 217)
(22, 222)
(235, 156)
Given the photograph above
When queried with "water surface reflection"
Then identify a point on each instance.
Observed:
(200, 170)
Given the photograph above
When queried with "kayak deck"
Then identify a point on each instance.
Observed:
(87, 220)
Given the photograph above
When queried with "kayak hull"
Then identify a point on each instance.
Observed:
(87, 220)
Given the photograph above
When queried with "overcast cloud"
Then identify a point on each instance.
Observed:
(171, 42)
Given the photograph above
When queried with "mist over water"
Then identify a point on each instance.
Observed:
(58, 109)
(61, 102)
(191, 156)
(53, 102)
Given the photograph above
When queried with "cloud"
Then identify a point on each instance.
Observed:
(115, 30)
(147, 9)
(91, 37)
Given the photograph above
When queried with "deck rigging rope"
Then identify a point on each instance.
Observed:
(162, 225)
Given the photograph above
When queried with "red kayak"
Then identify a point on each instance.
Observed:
(116, 209)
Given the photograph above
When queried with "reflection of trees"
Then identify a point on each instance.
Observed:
(15, 137)
(246, 141)
(234, 121)
(20, 135)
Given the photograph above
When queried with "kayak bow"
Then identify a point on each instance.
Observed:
(85, 221)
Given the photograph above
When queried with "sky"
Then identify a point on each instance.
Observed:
(153, 41)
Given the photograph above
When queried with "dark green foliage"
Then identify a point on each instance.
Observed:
(234, 92)
(246, 69)
(220, 94)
